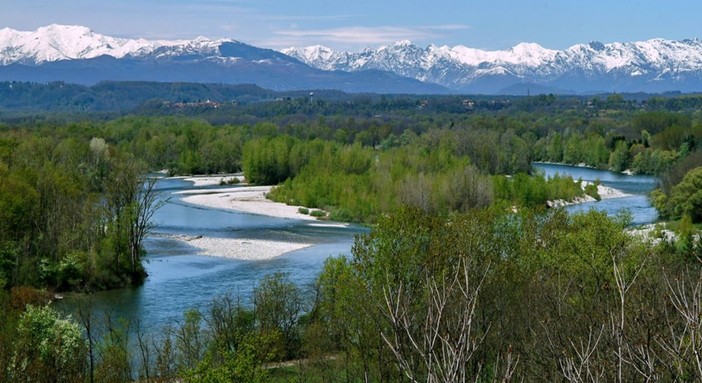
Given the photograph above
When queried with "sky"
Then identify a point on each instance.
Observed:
(356, 24)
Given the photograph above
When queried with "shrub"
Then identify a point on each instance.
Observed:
(591, 190)
(23, 296)
(318, 213)
(303, 210)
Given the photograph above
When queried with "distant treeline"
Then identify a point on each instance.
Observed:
(217, 101)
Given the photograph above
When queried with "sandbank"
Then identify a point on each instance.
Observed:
(245, 199)
(241, 248)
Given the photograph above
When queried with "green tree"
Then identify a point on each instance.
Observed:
(686, 197)
(278, 304)
(48, 348)
(619, 158)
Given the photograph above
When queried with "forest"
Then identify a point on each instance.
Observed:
(465, 274)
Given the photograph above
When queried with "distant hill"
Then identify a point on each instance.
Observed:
(119, 96)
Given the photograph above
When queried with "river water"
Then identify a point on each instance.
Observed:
(636, 186)
(182, 278)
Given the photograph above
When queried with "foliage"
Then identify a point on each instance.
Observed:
(493, 295)
(278, 306)
(540, 284)
(318, 213)
(356, 184)
(524, 190)
(267, 161)
(73, 214)
(591, 190)
(685, 198)
(47, 348)
(462, 264)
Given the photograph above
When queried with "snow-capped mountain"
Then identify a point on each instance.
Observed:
(64, 42)
(79, 55)
(653, 65)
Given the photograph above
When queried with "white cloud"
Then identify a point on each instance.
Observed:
(359, 36)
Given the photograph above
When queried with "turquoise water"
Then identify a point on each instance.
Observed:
(181, 278)
(638, 187)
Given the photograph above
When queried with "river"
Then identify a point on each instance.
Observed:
(182, 278)
(637, 188)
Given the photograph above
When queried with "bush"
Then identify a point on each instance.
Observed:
(318, 213)
(48, 348)
(591, 190)
(303, 210)
(23, 296)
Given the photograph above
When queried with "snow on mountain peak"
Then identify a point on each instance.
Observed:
(531, 53)
(64, 29)
(60, 42)
(318, 56)
(458, 66)
(402, 43)
(594, 64)
(70, 42)
(316, 50)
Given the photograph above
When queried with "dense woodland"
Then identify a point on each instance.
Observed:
(464, 275)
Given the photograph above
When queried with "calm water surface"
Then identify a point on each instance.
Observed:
(181, 278)
(638, 187)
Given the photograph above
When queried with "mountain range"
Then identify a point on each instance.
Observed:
(77, 54)
(648, 66)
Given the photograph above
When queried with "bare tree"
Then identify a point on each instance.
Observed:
(684, 343)
(619, 320)
(580, 367)
(86, 318)
(146, 202)
(145, 351)
(440, 341)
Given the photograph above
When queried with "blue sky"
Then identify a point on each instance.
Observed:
(355, 24)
